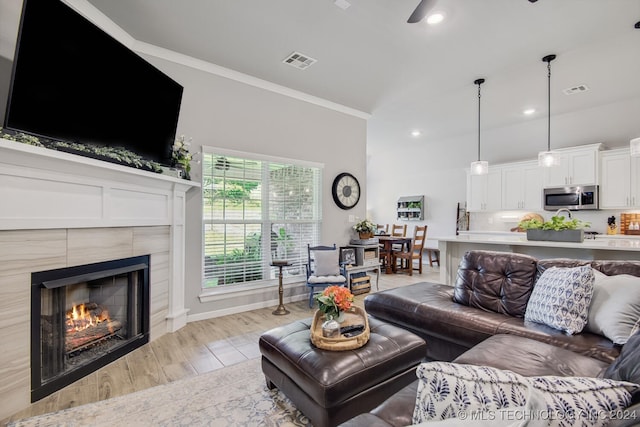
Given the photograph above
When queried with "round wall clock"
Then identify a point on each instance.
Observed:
(345, 191)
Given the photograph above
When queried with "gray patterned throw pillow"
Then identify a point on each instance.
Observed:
(466, 392)
(561, 298)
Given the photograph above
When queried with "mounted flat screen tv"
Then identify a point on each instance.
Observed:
(71, 81)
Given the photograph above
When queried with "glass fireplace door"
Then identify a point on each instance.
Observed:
(85, 317)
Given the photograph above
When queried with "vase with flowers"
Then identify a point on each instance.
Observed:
(181, 157)
(365, 229)
(334, 301)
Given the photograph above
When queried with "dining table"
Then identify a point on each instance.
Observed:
(387, 242)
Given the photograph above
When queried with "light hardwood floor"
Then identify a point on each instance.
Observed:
(197, 348)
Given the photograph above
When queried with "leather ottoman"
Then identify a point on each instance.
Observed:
(330, 387)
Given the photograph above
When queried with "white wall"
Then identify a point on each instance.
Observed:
(224, 113)
(408, 170)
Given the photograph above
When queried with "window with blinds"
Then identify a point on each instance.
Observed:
(255, 211)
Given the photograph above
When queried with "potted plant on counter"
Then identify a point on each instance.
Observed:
(557, 229)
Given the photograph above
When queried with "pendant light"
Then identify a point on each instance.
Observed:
(479, 167)
(548, 158)
(634, 144)
(634, 147)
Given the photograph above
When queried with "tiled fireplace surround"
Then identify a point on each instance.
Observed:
(60, 210)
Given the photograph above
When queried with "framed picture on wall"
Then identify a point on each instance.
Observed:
(348, 256)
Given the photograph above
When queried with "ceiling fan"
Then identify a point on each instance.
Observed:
(421, 11)
(424, 7)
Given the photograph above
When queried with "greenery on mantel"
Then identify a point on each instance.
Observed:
(116, 155)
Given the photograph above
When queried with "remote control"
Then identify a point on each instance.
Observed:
(352, 328)
(352, 334)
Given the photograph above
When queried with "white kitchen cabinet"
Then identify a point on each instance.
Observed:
(620, 187)
(578, 166)
(519, 185)
(522, 186)
(484, 192)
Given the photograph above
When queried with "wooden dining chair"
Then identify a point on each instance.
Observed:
(384, 256)
(406, 257)
(399, 230)
(382, 228)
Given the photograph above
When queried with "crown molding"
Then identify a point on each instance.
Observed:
(93, 14)
(198, 64)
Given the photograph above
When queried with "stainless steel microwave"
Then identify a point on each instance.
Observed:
(575, 198)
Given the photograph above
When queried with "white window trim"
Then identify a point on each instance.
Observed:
(250, 288)
(261, 157)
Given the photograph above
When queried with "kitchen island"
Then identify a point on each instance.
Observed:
(453, 248)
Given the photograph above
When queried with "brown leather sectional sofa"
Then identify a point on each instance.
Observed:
(489, 297)
(480, 321)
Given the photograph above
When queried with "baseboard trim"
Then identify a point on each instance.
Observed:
(242, 308)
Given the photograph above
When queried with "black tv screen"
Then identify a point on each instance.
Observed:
(71, 81)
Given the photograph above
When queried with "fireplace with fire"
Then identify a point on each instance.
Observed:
(85, 317)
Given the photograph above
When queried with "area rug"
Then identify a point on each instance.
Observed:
(233, 396)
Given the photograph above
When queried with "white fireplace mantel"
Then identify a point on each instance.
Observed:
(43, 188)
(47, 189)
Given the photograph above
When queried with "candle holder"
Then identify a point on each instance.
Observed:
(280, 310)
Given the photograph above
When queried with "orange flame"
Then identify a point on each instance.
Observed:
(80, 318)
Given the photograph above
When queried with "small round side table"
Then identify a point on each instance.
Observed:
(280, 263)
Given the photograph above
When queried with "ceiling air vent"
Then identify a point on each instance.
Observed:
(575, 89)
(299, 60)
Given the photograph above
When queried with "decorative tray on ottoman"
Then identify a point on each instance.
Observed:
(354, 316)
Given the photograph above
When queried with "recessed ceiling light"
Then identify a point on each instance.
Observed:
(342, 4)
(529, 111)
(416, 133)
(435, 18)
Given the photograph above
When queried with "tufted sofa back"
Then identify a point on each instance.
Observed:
(495, 281)
(502, 281)
(608, 267)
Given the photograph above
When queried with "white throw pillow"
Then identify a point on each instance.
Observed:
(449, 390)
(326, 263)
(615, 306)
(561, 298)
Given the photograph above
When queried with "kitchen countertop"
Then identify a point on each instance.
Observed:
(617, 236)
(602, 242)
(492, 233)
(518, 233)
